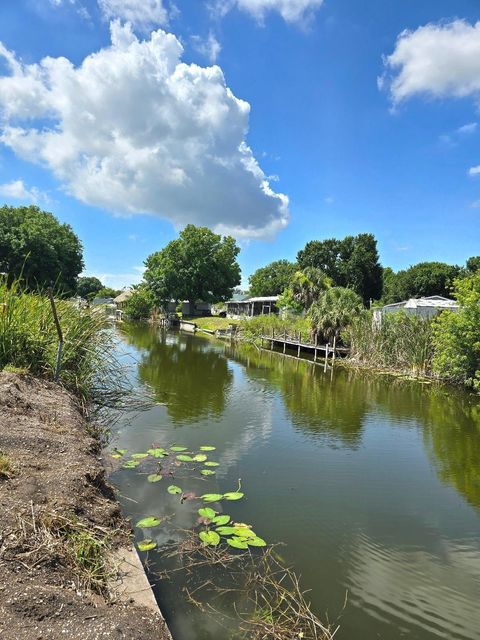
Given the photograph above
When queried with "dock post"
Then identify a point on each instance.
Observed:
(326, 358)
(316, 345)
(273, 336)
(333, 355)
(284, 340)
(299, 341)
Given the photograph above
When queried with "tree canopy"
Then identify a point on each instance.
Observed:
(422, 279)
(198, 265)
(37, 248)
(352, 263)
(333, 311)
(88, 286)
(272, 279)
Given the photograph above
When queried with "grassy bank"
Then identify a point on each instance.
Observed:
(29, 342)
(211, 323)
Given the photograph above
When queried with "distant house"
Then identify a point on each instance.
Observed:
(425, 308)
(249, 307)
(96, 302)
(197, 308)
(121, 299)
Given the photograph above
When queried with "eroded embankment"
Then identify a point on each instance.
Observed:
(59, 525)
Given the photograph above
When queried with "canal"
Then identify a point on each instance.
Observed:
(372, 483)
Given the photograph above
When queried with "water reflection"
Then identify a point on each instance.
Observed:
(190, 381)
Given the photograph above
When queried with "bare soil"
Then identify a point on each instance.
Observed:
(56, 476)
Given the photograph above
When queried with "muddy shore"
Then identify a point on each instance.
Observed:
(60, 525)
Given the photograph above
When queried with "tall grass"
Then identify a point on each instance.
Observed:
(251, 329)
(28, 341)
(401, 343)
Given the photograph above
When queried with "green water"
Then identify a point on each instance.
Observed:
(372, 483)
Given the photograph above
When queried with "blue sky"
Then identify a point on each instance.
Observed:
(127, 161)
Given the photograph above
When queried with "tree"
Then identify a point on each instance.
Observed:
(37, 248)
(307, 285)
(88, 287)
(140, 304)
(108, 292)
(352, 263)
(334, 311)
(272, 279)
(198, 265)
(457, 335)
(422, 279)
(473, 264)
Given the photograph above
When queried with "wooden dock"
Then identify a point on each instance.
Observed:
(295, 342)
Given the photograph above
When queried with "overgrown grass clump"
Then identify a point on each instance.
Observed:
(6, 469)
(401, 342)
(29, 342)
(253, 328)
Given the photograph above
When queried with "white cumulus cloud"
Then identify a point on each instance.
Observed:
(474, 171)
(133, 129)
(290, 10)
(209, 47)
(437, 60)
(141, 13)
(17, 190)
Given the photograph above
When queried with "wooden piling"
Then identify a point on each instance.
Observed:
(334, 344)
(326, 358)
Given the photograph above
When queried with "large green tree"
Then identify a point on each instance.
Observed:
(352, 263)
(272, 279)
(422, 279)
(37, 248)
(334, 311)
(198, 265)
(88, 286)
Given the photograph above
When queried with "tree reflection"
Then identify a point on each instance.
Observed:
(315, 402)
(188, 377)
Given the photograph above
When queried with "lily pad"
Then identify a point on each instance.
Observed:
(147, 544)
(131, 464)
(206, 512)
(209, 538)
(122, 452)
(211, 463)
(184, 458)
(116, 455)
(147, 523)
(237, 543)
(154, 477)
(226, 531)
(206, 447)
(256, 542)
(139, 456)
(244, 532)
(212, 497)
(200, 457)
(221, 520)
(178, 448)
(174, 490)
(158, 453)
(207, 472)
(233, 495)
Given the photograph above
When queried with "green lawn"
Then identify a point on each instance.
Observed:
(211, 323)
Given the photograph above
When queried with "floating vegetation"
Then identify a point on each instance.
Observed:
(148, 523)
(212, 497)
(139, 456)
(147, 544)
(178, 448)
(207, 448)
(158, 453)
(207, 472)
(131, 464)
(211, 463)
(174, 490)
(200, 457)
(209, 538)
(184, 458)
(206, 512)
(154, 477)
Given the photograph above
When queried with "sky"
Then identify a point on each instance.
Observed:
(275, 121)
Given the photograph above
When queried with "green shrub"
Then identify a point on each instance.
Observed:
(140, 305)
(457, 336)
(28, 341)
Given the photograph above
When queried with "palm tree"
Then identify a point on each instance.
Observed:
(334, 311)
(308, 285)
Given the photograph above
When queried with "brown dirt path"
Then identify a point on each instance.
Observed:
(54, 500)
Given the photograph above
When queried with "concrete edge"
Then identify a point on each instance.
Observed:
(132, 583)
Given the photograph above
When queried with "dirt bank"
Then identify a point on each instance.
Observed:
(59, 525)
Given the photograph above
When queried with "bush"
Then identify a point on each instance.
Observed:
(457, 336)
(29, 341)
(140, 305)
(402, 342)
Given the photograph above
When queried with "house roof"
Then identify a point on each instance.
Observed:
(436, 302)
(125, 295)
(246, 300)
